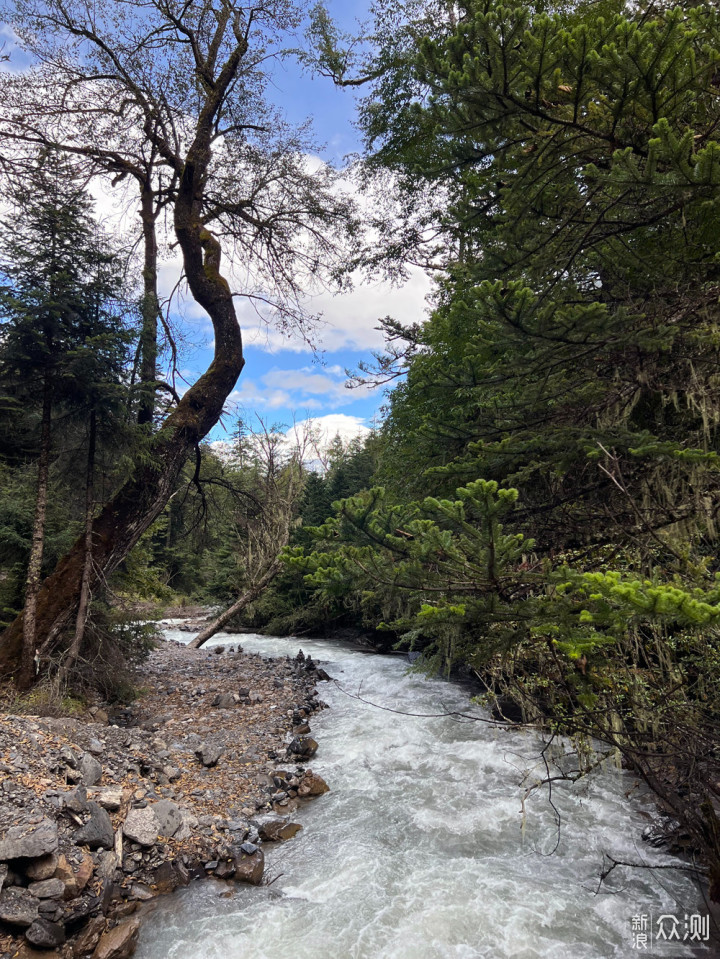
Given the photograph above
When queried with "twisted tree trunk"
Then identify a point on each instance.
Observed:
(137, 504)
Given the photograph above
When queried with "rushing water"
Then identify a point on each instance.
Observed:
(418, 851)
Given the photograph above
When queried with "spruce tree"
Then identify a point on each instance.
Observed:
(63, 346)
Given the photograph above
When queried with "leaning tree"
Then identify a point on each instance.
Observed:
(171, 95)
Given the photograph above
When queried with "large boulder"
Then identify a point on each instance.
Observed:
(249, 864)
(225, 701)
(209, 753)
(312, 785)
(168, 816)
(303, 746)
(18, 907)
(29, 841)
(97, 831)
(120, 942)
(90, 769)
(142, 826)
(277, 830)
(76, 800)
(45, 934)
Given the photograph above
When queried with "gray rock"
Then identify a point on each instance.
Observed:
(225, 869)
(97, 831)
(90, 770)
(225, 701)
(3, 874)
(47, 889)
(110, 798)
(142, 826)
(45, 934)
(168, 816)
(141, 892)
(51, 909)
(189, 824)
(29, 841)
(76, 800)
(42, 868)
(209, 753)
(18, 907)
(96, 747)
(69, 757)
(107, 865)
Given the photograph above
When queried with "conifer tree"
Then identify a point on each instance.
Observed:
(63, 347)
(575, 167)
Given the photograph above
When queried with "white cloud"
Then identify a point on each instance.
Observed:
(309, 388)
(326, 428)
(349, 319)
(313, 436)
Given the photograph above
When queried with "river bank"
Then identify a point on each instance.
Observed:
(102, 812)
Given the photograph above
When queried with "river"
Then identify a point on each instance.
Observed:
(419, 852)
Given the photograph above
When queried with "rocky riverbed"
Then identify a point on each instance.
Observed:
(101, 813)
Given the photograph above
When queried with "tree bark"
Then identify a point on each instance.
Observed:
(85, 590)
(138, 503)
(237, 607)
(28, 619)
(150, 306)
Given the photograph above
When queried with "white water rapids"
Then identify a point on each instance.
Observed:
(417, 851)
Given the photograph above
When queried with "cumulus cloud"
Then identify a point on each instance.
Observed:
(306, 387)
(326, 428)
(348, 319)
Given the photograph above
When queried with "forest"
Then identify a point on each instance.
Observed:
(537, 510)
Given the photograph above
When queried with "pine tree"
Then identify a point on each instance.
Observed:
(63, 347)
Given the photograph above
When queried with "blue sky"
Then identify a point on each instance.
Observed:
(284, 380)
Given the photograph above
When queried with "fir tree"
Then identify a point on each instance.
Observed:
(63, 348)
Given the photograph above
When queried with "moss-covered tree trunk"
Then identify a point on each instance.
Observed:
(137, 504)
